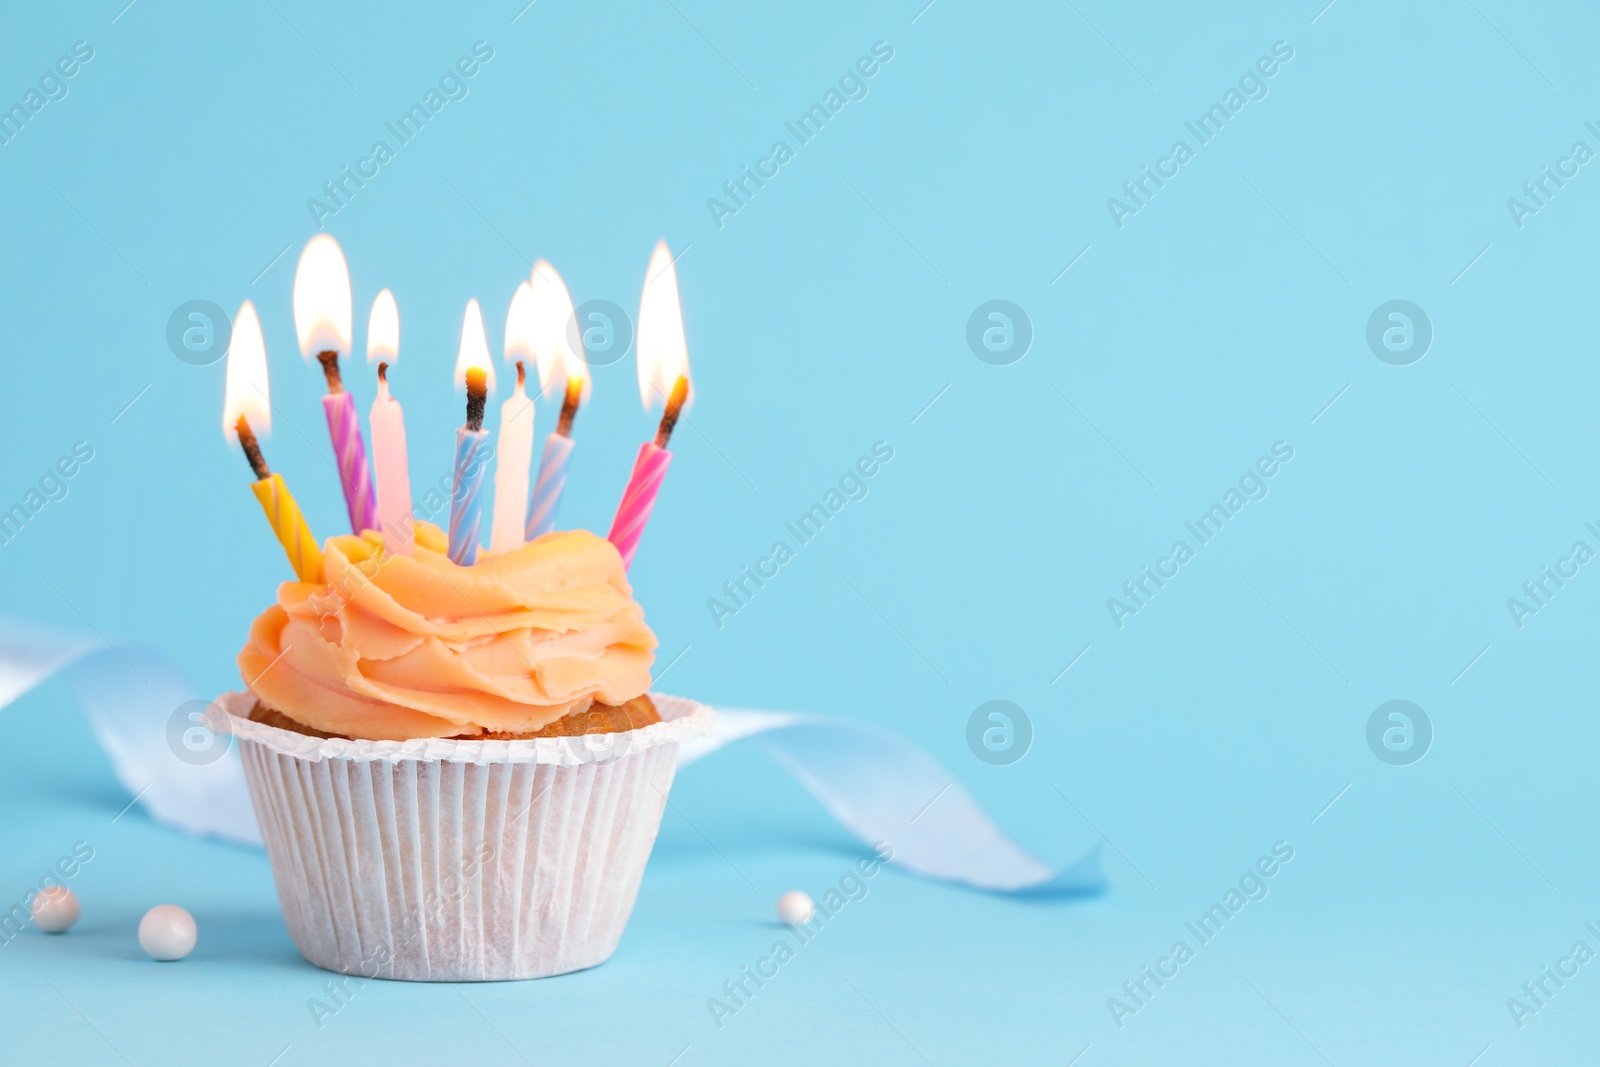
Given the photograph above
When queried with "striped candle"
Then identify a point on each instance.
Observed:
(663, 371)
(322, 326)
(474, 369)
(639, 498)
(245, 397)
(344, 430)
(466, 496)
(305, 556)
(547, 490)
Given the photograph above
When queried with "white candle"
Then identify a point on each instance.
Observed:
(514, 447)
(513, 453)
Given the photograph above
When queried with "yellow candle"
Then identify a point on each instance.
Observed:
(246, 408)
(305, 555)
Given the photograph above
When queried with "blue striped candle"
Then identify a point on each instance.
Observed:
(466, 496)
(547, 491)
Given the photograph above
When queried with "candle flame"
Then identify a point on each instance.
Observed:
(520, 328)
(245, 391)
(383, 330)
(474, 350)
(557, 347)
(322, 298)
(663, 352)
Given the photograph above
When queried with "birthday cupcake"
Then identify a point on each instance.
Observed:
(458, 771)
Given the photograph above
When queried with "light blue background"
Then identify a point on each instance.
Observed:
(1224, 317)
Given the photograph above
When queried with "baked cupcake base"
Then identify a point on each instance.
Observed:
(449, 860)
(596, 719)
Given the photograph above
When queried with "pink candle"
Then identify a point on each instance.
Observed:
(394, 478)
(638, 499)
(389, 432)
(663, 372)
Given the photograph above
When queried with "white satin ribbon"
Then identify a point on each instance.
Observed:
(880, 786)
(134, 699)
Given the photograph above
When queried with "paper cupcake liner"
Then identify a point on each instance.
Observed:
(437, 860)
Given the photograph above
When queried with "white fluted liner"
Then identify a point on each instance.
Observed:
(459, 860)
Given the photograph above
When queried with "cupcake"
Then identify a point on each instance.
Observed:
(458, 771)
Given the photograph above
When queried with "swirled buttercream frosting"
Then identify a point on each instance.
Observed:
(395, 647)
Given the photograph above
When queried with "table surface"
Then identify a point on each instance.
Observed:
(1182, 330)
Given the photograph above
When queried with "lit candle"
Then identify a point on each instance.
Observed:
(388, 423)
(514, 448)
(246, 409)
(474, 367)
(559, 365)
(663, 372)
(322, 323)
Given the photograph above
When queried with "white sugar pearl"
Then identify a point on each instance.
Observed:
(167, 932)
(796, 908)
(54, 908)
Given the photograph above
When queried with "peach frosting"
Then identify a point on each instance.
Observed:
(400, 647)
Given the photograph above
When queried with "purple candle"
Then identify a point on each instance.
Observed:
(322, 323)
(344, 430)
